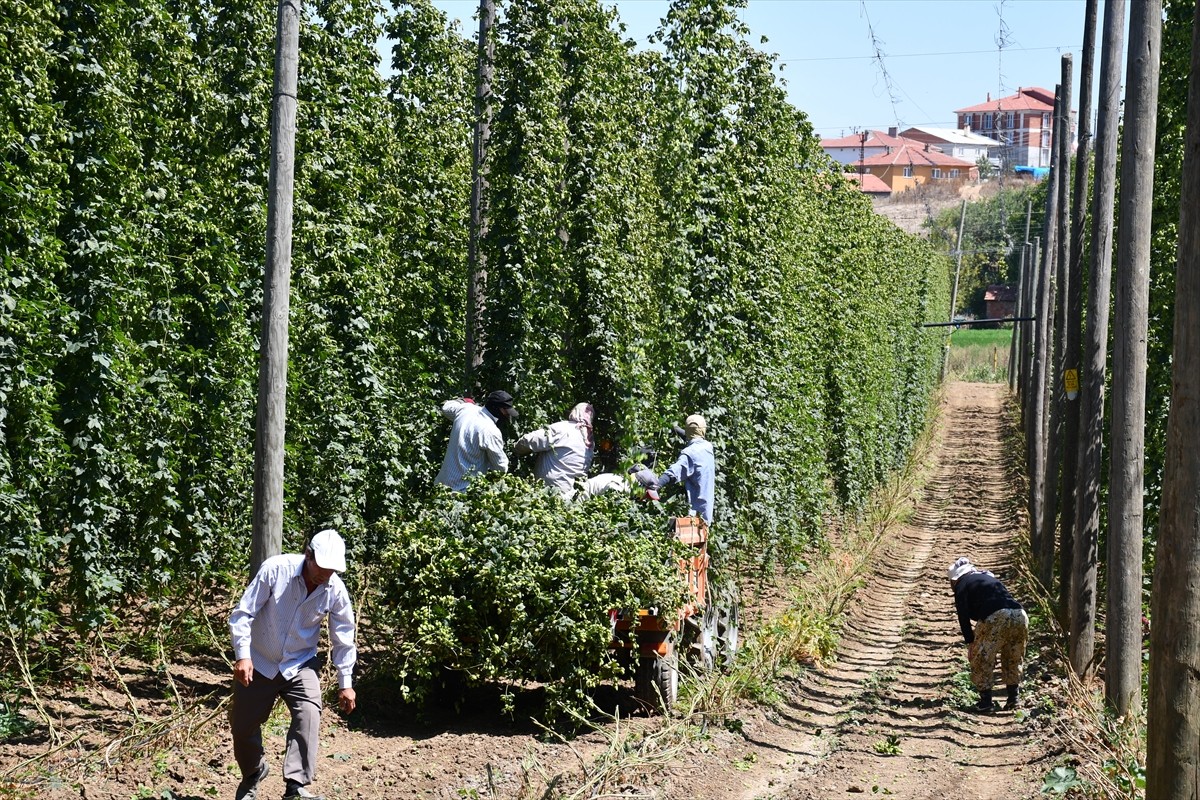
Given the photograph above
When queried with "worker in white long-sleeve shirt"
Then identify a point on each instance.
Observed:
(275, 629)
(564, 449)
(476, 444)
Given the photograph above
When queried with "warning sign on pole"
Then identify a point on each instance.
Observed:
(1071, 383)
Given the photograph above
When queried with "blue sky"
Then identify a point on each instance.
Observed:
(938, 55)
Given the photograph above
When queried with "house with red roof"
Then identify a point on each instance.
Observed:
(861, 144)
(1022, 123)
(958, 143)
(999, 300)
(912, 163)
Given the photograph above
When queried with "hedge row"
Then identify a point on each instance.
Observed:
(664, 238)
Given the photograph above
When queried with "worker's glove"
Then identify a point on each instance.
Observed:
(680, 432)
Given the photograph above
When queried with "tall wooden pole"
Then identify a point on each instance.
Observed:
(273, 353)
(1082, 635)
(476, 260)
(1073, 320)
(1060, 411)
(1126, 478)
(962, 218)
(1173, 721)
(1034, 433)
(1041, 483)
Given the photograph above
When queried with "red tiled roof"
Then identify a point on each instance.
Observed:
(874, 139)
(1032, 98)
(1000, 292)
(871, 184)
(915, 153)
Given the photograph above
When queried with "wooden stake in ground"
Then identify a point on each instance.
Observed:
(1123, 631)
(1043, 545)
(1056, 389)
(1082, 639)
(1073, 321)
(277, 279)
(476, 261)
(1173, 723)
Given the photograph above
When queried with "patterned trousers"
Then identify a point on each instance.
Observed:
(1002, 634)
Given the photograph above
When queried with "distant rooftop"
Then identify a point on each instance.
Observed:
(915, 153)
(869, 184)
(954, 136)
(874, 139)
(1027, 98)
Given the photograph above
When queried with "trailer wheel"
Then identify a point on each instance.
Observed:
(722, 629)
(656, 684)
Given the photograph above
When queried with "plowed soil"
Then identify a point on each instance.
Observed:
(883, 718)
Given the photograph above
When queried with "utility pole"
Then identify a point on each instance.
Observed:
(271, 414)
(476, 260)
(1082, 635)
(1173, 719)
(1126, 476)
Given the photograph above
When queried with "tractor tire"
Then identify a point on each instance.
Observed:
(722, 628)
(656, 684)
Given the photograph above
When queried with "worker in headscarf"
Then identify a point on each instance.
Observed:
(1001, 630)
(695, 468)
(564, 449)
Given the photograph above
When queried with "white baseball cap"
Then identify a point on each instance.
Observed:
(329, 551)
(959, 568)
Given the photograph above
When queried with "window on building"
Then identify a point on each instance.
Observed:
(954, 173)
(937, 173)
(908, 171)
(1009, 120)
(987, 122)
(1045, 120)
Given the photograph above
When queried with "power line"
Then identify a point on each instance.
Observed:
(877, 46)
(1059, 47)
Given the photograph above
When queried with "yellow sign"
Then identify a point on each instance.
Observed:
(1071, 382)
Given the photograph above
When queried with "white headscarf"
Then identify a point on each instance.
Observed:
(582, 415)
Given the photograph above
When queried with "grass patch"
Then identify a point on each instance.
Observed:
(979, 355)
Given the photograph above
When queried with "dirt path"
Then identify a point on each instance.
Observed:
(878, 720)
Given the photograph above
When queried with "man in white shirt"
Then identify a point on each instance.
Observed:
(564, 449)
(476, 444)
(275, 630)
